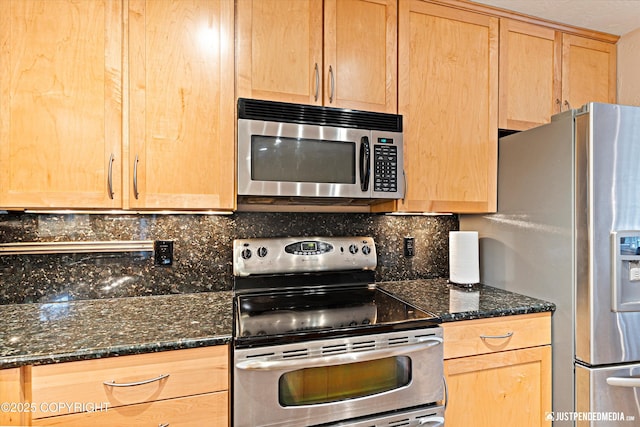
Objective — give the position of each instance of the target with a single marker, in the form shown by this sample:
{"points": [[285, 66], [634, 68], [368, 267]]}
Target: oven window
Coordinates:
{"points": [[302, 160], [325, 384]]}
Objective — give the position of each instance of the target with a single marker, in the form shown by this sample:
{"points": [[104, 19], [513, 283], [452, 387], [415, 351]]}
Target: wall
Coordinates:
{"points": [[628, 68], [202, 250]]}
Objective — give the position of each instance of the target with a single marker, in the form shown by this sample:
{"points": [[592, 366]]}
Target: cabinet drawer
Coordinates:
{"points": [[69, 385], [195, 411], [471, 337]]}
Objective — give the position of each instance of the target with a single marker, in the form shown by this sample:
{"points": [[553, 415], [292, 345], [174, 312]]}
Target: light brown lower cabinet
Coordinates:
{"points": [[194, 411], [12, 395], [498, 371], [187, 387]]}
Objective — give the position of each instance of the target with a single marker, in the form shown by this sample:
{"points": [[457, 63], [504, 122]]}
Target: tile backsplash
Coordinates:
{"points": [[202, 250]]}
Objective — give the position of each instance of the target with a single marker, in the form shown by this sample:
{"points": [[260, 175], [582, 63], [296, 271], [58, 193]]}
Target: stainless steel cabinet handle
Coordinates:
{"points": [[406, 185], [163, 425], [566, 103], [110, 176], [135, 178], [496, 337], [317, 73], [624, 381], [338, 359], [434, 421], [113, 383], [333, 85]]}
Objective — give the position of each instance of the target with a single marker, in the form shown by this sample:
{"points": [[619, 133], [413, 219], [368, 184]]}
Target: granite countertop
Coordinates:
{"points": [[453, 302], [35, 334]]}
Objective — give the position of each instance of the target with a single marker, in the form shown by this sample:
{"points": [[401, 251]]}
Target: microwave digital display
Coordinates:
{"points": [[284, 159]]}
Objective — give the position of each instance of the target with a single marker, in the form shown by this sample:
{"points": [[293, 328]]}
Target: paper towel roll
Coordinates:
{"points": [[464, 261]]}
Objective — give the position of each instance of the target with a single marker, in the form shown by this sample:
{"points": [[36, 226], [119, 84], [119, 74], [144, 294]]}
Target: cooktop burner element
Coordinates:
{"points": [[294, 289]]}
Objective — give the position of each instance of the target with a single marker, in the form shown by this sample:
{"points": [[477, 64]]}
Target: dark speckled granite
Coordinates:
{"points": [[35, 334], [202, 251], [452, 303]]}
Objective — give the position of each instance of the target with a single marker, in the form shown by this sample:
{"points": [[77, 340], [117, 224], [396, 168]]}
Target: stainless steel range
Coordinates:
{"points": [[316, 342]]}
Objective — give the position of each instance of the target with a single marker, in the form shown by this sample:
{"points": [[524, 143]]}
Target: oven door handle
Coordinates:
{"points": [[431, 421], [338, 359]]}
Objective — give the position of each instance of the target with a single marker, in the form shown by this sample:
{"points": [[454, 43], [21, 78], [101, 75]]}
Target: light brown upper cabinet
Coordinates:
{"points": [[99, 104], [544, 71], [287, 52], [448, 95], [530, 64], [588, 71], [181, 122], [60, 104]]}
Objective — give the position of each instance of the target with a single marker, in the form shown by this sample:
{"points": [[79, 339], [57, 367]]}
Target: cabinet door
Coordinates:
{"points": [[279, 50], [509, 388], [529, 74], [360, 46], [12, 391], [60, 104], [181, 115], [448, 94], [588, 71], [211, 409]]}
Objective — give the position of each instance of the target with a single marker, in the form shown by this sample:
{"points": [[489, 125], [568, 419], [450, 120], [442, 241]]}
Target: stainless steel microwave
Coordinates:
{"points": [[291, 150]]}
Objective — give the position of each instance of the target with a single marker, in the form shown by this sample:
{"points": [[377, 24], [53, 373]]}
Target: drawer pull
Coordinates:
{"points": [[163, 425], [113, 383], [497, 337]]}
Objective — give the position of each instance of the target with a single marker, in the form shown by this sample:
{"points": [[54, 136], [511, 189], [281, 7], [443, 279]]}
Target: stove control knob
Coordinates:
{"points": [[262, 252], [246, 253], [353, 249], [366, 249]]}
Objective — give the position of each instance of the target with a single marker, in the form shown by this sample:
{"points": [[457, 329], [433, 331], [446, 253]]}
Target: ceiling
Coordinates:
{"points": [[610, 16]]}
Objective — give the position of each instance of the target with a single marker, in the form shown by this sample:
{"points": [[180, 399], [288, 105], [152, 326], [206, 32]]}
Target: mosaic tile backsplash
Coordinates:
{"points": [[202, 250]]}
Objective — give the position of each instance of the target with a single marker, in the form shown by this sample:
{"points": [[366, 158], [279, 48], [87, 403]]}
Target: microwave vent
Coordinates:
{"points": [[254, 109]]}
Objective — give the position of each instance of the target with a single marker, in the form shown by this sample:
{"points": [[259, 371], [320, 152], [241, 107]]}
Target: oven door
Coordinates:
{"points": [[301, 160], [319, 382]]}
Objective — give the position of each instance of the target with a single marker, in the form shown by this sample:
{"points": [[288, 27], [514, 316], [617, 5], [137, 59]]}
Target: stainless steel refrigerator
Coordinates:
{"points": [[567, 230]]}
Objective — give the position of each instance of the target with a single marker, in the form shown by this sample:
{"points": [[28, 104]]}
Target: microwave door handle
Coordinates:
{"points": [[365, 163]]}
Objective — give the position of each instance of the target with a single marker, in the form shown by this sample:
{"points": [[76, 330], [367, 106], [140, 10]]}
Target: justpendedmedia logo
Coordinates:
{"points": [[588, 416]]}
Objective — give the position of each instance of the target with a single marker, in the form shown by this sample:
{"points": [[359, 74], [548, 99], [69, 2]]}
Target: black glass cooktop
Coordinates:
{"points": [[296, 315]]}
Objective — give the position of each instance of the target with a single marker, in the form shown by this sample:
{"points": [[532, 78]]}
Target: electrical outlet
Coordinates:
{"points": [[163, 252], [409, 247]]}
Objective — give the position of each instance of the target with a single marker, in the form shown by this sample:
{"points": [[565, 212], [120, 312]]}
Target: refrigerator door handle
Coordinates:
{"points": [[624, 381]]}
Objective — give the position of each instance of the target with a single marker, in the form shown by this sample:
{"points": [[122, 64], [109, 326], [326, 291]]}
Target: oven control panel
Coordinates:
{"points": [[302, 254]]}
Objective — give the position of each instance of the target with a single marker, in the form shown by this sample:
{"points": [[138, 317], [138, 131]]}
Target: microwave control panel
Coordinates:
{"points": [[385, 166]]}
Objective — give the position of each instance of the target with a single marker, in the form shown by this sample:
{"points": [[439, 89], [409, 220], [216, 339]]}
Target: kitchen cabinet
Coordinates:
{"points": [[448, 95], [544, 71], [588, 71], [60, 104], [12, 395], [498, 371], [530, 74], [182, 387], [110, 108], [287, 52]]}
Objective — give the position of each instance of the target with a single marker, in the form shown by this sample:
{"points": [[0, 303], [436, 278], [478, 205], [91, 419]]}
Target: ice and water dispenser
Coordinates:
{"points": [[625, 281]]}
